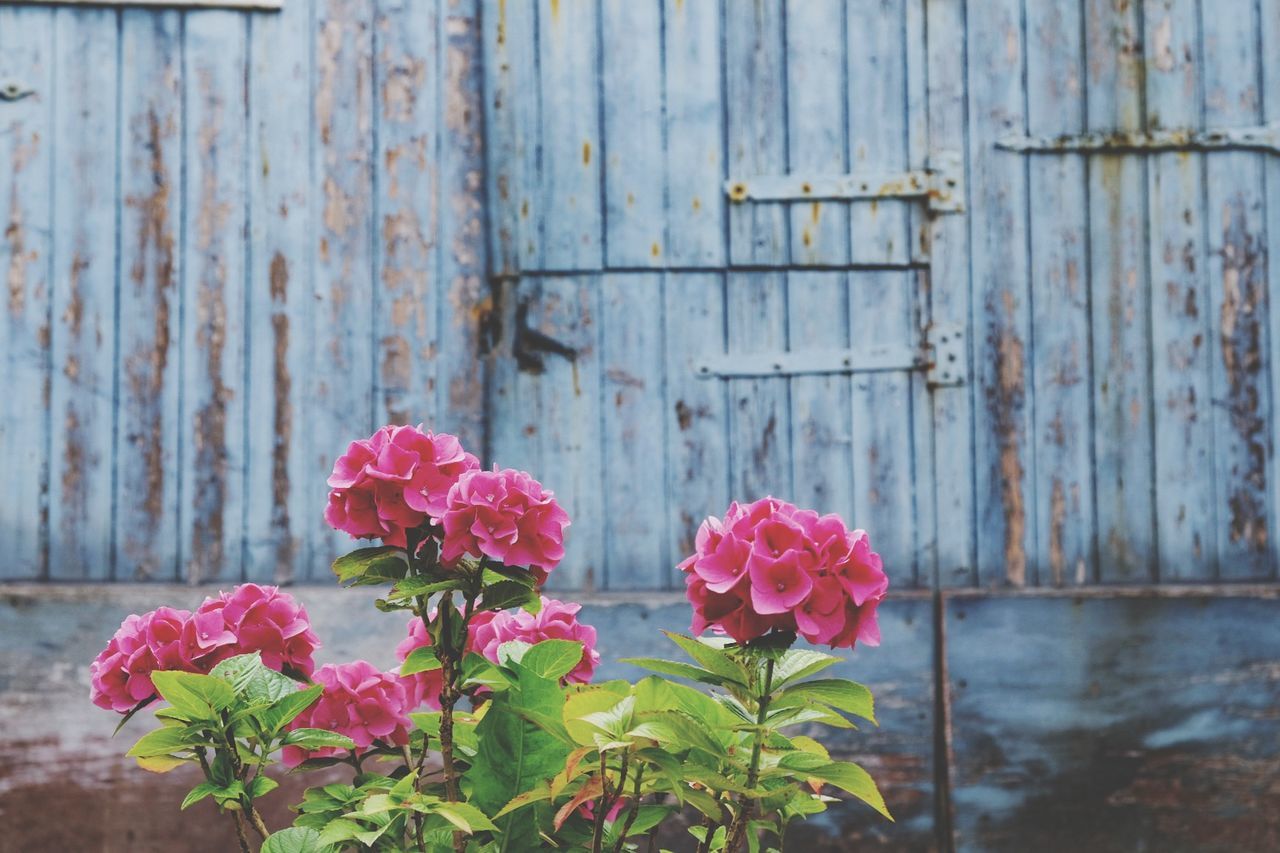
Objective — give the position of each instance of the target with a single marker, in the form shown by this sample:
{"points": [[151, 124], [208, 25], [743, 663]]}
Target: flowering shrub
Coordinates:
{"points": [[490, 735]]}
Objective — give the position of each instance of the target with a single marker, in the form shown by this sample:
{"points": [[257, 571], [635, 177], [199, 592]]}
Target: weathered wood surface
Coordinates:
{"points": [[226, 257], [1114, 723]]}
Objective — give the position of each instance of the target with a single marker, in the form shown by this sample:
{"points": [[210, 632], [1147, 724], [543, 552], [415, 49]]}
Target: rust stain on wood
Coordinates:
{"points": [[1057, 521], [282, 418], [15, 232], [1005, 400]]}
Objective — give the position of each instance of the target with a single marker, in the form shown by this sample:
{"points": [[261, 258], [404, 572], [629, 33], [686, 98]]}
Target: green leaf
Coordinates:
{"points": [[371, 565], [253, 680], [317, 739], [677, 669], [199, 696], [553, 658], [716, 660], [466, 817], [512, 651], [845, 775], [295, 839], [162, 763], [515, 755], [800, 663], [507, 594], [163, 741], [839, 693], [132, 711], [583, 704], [479, 671], [421, 659], [415, 586], [198, 793], [283, 711], [261, 786]]}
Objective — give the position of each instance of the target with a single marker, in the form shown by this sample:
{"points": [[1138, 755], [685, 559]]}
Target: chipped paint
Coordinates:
{"points": [[1005, 401]]}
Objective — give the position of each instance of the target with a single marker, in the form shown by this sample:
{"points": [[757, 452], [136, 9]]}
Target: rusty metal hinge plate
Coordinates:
{"points": [[1265, 137], [946, 361], [941, 186]]}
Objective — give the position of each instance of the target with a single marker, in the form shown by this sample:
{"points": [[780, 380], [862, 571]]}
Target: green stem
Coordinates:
{"points": [[738, 830], [632, 812]]}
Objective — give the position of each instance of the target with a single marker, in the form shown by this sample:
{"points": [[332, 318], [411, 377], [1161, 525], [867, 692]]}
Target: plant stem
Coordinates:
{"points": [[255, 820], [240, 833], [632, 812], [738, 829], [602, 804]]}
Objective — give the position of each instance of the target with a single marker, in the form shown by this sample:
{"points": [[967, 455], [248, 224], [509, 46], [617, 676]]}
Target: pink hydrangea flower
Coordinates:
{"points": [[396, 479], [770, 565], [556, 620], [422, 688], [359, 701], [252, 618], [507, 516], [120, 676]]}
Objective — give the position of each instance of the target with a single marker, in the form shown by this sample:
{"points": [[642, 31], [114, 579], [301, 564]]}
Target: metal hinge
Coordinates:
{"points": [[941, 356], [941, 186], [1264, 137]]}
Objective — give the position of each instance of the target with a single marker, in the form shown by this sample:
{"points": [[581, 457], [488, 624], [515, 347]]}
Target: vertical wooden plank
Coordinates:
{"points": [[1238, 273], [508, 78], [1005, 486], [567, 310], [407, 211], [84, 306], [570, 203], [26, 54], [755, 106], [694, 134], [147, 442], [342, 372], [881, 312], [514, 407], [1269, 36], [878, 120], [760, 420], [634, 173], [1060, 323], [948, 301], [817, 127], [213, 273], [697, 412], [1186, 512], [283, 487], [824, 470], [635, 475], [1121, 302], [467, 300]]}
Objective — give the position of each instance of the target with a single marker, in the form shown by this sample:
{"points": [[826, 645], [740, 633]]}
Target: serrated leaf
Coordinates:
{"points": [[583, 704], [200, 696], [253, 680], [310, 739], [553, 659], [845, 775], [839, 693], [162, 763], [163, 741], [507, 594], [371, 565], [592, 789], [421, 659], [677, 669], [198, 793], [800, 663], [466, 817], [416, 586], [261, 786], [295, 839], [716, 660], [478, 671], [129, 715], [283, 711]]}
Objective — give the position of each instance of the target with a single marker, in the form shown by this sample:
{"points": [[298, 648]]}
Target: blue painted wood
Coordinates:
{"points": [[211, 522], [1004, 479], [1269, 34], [1121, 303], [1236, 242], [281, 480], [633, 423], [27, 54], [148, 432], [570, 202], [634, 188], [1182, 355], [695, 133], [83, 295], [1060, 355]]}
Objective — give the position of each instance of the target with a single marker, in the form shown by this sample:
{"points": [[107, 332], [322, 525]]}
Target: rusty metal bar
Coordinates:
{"points": [[1264, 137], [941, 185]]}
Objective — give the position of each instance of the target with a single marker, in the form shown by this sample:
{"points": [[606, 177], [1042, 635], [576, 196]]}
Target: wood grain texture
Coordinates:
{"points": [[26, 136], [1108, 726], [83, 293]]}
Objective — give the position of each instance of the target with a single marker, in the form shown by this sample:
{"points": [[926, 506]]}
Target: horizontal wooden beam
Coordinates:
{"points": [[249, 5]]}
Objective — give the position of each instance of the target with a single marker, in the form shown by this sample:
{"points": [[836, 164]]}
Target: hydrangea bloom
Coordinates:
{"points": [[507, 516], [769, 565], [121, 674], [393, 481], [252, 618], [555, 621], [421, 688], [359, 701]]}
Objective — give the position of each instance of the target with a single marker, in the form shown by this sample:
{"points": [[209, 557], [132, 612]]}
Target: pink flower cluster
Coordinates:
{"points": [[402, 477], [507, 516], [769, 566], [250, 618], [489, 629], [359, 701], [394, 481]]}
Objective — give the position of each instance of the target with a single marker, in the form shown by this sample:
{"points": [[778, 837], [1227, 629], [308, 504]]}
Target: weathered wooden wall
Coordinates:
{"points": [[233, 241]]}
